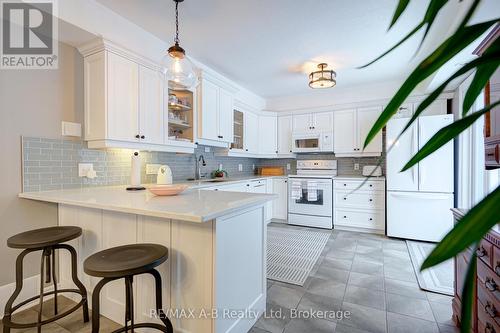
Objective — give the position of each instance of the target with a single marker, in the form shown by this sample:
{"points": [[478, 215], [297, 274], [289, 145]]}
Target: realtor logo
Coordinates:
{"points": [[29, 34]]}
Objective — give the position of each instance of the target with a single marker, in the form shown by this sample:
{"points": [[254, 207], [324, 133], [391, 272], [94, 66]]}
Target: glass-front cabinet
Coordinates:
{"points": [[180, 114], [238, 130]]}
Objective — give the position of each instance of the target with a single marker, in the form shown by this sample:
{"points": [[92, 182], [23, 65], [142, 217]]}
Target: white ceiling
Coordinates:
{"points": [[269, 46]]}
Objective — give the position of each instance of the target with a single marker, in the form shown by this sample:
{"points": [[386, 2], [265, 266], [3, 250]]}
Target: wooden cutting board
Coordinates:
{"points": [[272, 171]]}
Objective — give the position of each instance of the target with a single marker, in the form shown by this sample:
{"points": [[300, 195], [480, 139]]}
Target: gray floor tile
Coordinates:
{"points": [[341, 328], [396, 254], [285, 297], [344, 264], [365, 318], [397, 323], [327, 288], [395, 245], [400, 272], [375, 258], [328, 271], [443, 312], [274, 320], [313, 302], [366, 297], [405, 288], [448, 328], [413, 307], [340, 254], [344, 245], [299, 325], [366, 267], [366, 281], [438, 298], [269, 283], [371, 243], [257, 330]]}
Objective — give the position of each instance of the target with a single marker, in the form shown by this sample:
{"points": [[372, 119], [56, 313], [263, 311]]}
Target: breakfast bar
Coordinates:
{"points": [[215, 277]]}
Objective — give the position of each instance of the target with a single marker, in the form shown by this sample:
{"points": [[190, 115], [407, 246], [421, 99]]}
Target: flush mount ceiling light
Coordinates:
{"points": [[323, 78], [177, 68]]}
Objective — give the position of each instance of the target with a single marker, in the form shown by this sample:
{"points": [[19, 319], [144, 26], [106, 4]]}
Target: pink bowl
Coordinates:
{"points": [[167, 189]]}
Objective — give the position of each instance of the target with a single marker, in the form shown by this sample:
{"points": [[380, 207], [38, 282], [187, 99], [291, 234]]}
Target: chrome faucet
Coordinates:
{"points": [[198, 174]]}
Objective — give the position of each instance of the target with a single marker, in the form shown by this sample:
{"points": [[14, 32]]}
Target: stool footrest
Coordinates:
{"points": [[143, 325]]}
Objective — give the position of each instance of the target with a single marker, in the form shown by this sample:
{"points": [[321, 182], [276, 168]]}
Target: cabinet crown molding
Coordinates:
{"points": [[204, 75]]}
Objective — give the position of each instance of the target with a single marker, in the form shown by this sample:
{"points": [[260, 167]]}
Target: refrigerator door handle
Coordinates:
{"points": [[420, 195]]}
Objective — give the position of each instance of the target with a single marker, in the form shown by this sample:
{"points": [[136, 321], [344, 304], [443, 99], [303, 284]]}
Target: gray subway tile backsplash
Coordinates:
{"points": [[52, 164]]}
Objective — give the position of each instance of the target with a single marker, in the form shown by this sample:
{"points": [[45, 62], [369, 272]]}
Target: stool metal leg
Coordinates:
{"points": [[19, 287], [76, 281], [159, 306], [95, 304], [40, 303], [129, 304], [54, 279]]}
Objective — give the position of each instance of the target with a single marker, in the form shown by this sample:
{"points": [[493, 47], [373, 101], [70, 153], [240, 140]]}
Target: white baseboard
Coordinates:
{"points": [[31, 287]]}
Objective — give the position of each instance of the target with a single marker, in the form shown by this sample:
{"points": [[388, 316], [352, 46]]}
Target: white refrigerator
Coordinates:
{"points": [[419, 199]]}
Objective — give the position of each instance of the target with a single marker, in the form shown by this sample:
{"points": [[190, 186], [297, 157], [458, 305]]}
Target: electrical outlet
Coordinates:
{"points": [[240, 167], [152, 169], [356, 166], [207, 149], [220, 166], [288, 167], [84, 168]]}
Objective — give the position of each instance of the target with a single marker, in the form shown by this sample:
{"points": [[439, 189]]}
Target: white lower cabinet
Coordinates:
{"points": [[359, 205], [280, 204]]}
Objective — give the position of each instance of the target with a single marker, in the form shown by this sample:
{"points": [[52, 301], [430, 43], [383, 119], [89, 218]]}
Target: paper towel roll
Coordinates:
{"points": [[135, 172]]}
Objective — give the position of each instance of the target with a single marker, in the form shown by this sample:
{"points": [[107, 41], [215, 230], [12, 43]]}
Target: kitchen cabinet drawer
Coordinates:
{"points": [[486, 323], [485, 252], [359, 219], [370, 185], [358, 199]]}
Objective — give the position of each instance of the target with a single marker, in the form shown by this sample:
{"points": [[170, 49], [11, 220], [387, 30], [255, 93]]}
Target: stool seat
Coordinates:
{"points": [[125, 260], [44, 237]]}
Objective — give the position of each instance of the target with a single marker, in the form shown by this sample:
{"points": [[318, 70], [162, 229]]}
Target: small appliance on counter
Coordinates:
{"points": [[164, 176], [135, 173]]}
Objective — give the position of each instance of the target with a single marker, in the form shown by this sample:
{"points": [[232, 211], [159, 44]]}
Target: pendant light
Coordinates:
{"points": [[177, 68], [323, 78]]}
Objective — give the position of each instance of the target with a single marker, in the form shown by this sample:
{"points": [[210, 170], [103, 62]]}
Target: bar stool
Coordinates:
{"points": [[47, 240], [123, 262]]}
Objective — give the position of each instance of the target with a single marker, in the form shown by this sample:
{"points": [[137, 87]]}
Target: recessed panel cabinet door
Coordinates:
{"points": [[302, 123], [123, 96], [150, 106], [344, 132], [267, 135], [225, 116], [323, 121], [366, 119], [209, 110], [285, 135], [251, 132]]}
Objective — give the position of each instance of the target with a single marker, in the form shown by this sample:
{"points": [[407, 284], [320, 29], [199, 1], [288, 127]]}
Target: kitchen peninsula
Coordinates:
{"points": [[216, 243]]}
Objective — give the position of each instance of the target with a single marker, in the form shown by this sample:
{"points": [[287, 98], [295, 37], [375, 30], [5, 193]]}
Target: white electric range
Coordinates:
{"points": [[310, 194]]}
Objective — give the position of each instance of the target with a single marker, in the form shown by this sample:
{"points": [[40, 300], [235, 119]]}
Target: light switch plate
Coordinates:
{"points": [[288, 167], [71, 129], [240, 167], [356, 166], [207, 149], [152, 169]]}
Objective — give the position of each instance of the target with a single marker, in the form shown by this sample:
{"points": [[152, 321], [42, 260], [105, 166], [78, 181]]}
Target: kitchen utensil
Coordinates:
{"points": [[164, 176]]}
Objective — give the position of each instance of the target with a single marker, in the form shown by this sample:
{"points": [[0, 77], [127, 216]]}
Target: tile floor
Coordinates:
{"points": [[368, 275]]}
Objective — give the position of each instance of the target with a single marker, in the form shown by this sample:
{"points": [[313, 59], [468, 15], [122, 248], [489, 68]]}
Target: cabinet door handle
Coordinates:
{"points": [[371, 218], [246, 149], [345, 216], [248, 184], [137, 136], [371, 185], [143, 137], [371, 200], [345, 198], [489, 328], [345, 184], [490, 284], [481, 252], [490, 310], [497, 268]]}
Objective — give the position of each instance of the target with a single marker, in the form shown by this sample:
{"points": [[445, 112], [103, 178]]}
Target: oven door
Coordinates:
{"points": [[318, 205], [306, 142]]}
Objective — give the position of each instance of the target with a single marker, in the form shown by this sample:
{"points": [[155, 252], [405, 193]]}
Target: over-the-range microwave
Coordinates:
{"points": [[312, 142]]}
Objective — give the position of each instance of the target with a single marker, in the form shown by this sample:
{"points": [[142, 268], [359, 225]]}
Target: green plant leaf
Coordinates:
{"points": [[430, 15], [470, 229], [402, 4], [445, 135], [447, 50], [468, 295], [481, 77], [487, 58]]}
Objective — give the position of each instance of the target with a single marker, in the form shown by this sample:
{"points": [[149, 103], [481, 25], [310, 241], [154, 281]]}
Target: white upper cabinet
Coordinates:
{"points": [[124, 101], [350, 130], [322, 121], [151, 116], [344, 132], [123, 96], [209, 107], [215, 112], [285, 135], [251, 142], [366, 119], [302, 122], [268, 135]]}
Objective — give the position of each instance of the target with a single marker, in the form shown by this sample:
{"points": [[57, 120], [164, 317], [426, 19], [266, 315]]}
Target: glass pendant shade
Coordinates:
{"points": [[323, 78], [178, 71]]}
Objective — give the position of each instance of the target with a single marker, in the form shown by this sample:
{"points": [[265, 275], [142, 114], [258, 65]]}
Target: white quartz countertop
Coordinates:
{"points": [[359, 177], [192, 205], [231, 180]]}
